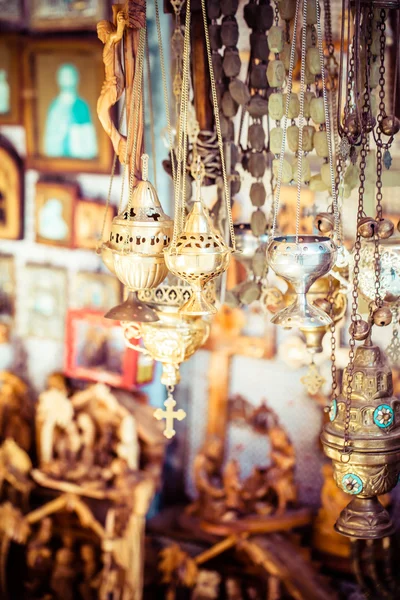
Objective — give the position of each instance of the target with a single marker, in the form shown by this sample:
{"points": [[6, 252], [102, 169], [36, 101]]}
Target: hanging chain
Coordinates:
{"points": [[354, 293], [134, 122], [328, 127], [114, 166], [165, 89], [151, 113], [218, 127], [182, 134], [285, 119], [301, 117], [356, 273], [333, 341]]}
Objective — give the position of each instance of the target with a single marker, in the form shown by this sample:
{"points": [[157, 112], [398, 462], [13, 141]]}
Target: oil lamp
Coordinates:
{"points": [[301, 259], [371, 467], [301, 262]]}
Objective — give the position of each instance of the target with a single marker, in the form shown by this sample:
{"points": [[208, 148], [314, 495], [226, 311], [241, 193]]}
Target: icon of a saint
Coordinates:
{"points": [[69, 132], [51, 222]]}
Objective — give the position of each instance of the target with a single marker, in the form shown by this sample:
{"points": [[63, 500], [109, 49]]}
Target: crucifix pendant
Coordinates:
{"points": [[169, 414]]}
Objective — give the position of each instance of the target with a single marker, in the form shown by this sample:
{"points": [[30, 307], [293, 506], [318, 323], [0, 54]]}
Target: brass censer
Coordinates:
{"points": [[372, 466], [198, 256], [134, 251]]}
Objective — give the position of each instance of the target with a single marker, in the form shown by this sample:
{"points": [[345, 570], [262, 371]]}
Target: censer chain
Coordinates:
{"points": [[182, 134], [218, 127], [327, 126], [165, 89], [301, 117], [354, 306], [276, 201], [151, 112], [110, 186]]}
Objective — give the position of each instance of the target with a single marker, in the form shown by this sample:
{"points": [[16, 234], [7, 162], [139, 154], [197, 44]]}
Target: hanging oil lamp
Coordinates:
{"points": [[134, 251], [301, 259], [372, 467]]}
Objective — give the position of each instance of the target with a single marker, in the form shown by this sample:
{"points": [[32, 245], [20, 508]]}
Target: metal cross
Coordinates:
{"points": [[169, 414]]}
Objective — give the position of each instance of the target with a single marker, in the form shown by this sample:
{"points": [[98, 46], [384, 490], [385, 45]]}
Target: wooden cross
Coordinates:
{"points": [[169, 414], [224, 343]]}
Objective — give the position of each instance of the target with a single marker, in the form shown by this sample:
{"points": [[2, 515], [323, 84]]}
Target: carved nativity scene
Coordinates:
{"points": [[199, 299]]}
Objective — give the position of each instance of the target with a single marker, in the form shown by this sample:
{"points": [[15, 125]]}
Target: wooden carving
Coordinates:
{"points": [[222, 494], [119, 75]]}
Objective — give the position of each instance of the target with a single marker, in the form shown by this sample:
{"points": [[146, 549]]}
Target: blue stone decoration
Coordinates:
{"points": [[383, 416], [333, 410], [352, 484]]}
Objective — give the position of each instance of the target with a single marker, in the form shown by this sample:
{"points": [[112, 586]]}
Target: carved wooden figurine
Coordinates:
{"points": [[114, 83]]}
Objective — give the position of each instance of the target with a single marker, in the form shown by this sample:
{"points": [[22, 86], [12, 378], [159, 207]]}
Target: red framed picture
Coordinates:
{"points": [[96, 351]]}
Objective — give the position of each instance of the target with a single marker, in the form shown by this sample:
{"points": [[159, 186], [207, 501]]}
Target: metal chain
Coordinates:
{"points": [[218, 127], [151, 113], [328, 127], [182, 133], [301, 117], [137, 93], [114, 166], [382, 106], [131, 129], [285, 119], [354, 305], [333, 341], [165, 89]]}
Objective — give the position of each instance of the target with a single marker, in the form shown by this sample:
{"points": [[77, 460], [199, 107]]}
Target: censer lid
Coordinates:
{"points": [[374, 413], [199, 233], [145, 206]]}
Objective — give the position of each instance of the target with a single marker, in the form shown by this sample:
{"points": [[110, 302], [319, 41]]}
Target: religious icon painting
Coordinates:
{"points": [[96, 351], [45, 302], [58, 15], [11, 192], [10, 80], [63, 131], [88, 223], [99, 291], [7, 285], [54, 213]]}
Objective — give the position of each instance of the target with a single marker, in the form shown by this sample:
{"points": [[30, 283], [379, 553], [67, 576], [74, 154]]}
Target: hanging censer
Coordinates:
{"points": [[363, 436], [134, 251], [140, 232], [198, 252], [372, 467], [301, 259]]}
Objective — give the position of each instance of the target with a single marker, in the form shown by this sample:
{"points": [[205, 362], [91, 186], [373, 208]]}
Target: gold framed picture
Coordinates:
{"points": [[11, 191], [13, 14], [10, 80], [63, 132], [58, 15], [88, 223], [45, 302], [99, 291], [54, 213]]}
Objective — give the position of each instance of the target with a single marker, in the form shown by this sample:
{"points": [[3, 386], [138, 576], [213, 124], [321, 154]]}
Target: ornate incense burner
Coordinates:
{"points": [[171, 340], [372, 465], [138, 237]]}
